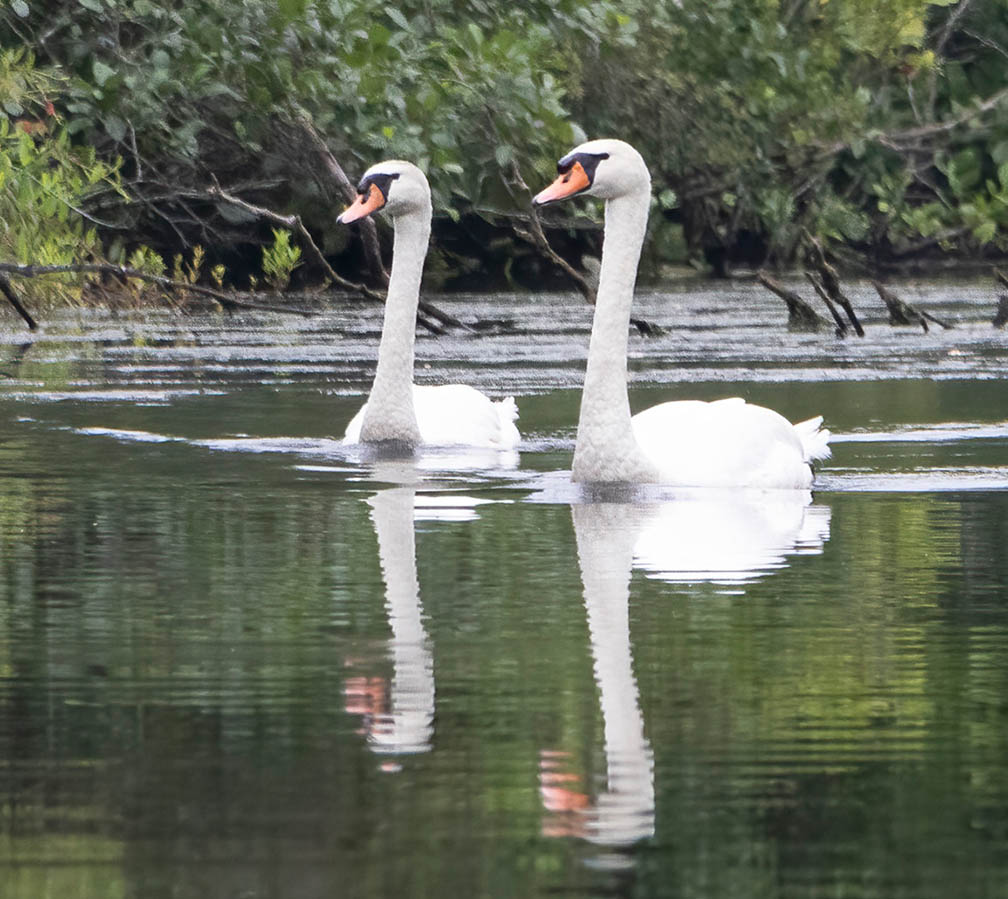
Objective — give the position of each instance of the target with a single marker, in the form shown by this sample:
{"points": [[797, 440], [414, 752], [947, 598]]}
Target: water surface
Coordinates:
{"points": [[239, 660]]}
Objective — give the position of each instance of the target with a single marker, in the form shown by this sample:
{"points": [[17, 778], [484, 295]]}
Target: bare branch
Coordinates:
{"points": [[841, 325], [831, 281], [987, 42], [537, 238], [914, 138], [955, 14], [1001, 316], [900, 313], [801, 316], [294, 223], [123, 271], [368, 229], [8, 291]]}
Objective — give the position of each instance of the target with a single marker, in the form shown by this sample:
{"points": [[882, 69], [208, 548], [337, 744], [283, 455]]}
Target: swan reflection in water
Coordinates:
{"points": [[398, 713], [700, 537]]}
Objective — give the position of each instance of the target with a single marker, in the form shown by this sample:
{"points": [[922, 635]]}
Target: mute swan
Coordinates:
{"points": [[397, 410], [726, 443]]}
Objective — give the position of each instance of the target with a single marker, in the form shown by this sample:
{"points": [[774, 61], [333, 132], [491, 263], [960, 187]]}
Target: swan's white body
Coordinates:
{"points": [[727, 443], [397, 410], [455, 415]]}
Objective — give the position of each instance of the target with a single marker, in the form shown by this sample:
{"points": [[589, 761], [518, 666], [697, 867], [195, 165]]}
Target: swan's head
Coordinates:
{"points": [[599, 168], [396, 186]]}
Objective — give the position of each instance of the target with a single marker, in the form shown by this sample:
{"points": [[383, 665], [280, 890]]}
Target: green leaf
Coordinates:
{"points": [[26, 150], [115, 127], [396, 16], [93, 5], [668, 199], [291, 9], [102, 72], [999, 152], [20, 8]]}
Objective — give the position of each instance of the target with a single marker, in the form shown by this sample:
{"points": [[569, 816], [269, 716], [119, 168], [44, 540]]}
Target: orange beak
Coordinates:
{"points": [[573, 181], [367, 203]]}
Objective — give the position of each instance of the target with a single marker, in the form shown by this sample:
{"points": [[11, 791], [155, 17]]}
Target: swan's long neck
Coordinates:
{"points": [[606, 450], [390, 414]]}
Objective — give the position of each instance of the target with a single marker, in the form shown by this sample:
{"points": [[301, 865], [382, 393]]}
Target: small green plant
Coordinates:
{"points": [[145, 260], [280, 260], [188, 272]]}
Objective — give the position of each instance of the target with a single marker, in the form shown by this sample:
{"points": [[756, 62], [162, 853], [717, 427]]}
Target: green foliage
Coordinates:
{"points": [[465, 91], [775, 117], [280, 259], [756, 116], [145, 260], [22, 86], [43, 182]]}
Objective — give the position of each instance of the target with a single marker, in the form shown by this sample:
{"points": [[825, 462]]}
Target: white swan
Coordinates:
{"points": [[726, 443], [397, 410]]}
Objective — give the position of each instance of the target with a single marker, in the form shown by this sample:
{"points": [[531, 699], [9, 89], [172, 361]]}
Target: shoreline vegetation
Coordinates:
{"points": [[193, 156]]}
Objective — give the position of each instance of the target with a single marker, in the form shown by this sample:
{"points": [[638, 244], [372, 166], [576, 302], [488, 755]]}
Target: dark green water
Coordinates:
{"points": [[237, 661]]}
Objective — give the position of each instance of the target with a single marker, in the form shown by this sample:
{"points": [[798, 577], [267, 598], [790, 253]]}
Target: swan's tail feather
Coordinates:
{"points": [[507, 414], [814, 438], [508, 409]]}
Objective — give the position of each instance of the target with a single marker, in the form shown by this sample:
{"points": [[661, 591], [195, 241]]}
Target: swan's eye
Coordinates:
{"points": [[381, 180]]}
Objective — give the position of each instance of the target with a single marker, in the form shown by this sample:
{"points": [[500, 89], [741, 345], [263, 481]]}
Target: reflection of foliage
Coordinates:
{"points": [[221, 610]]}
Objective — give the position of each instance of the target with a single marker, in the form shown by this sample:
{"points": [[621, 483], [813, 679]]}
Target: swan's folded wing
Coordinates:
{"points": [[727, 443], [459, 415]]}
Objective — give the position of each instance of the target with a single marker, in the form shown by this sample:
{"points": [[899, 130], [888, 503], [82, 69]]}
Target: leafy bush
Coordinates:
{"points": [[871, 122], [44, 181]]}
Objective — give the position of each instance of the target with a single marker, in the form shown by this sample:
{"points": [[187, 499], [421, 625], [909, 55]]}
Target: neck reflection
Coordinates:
{"points": [[623, 812], [726, 539], [398, 714]]}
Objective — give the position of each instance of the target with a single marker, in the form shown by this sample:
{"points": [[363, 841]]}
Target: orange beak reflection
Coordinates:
{"points": [[573, 181], [364, 205]]}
